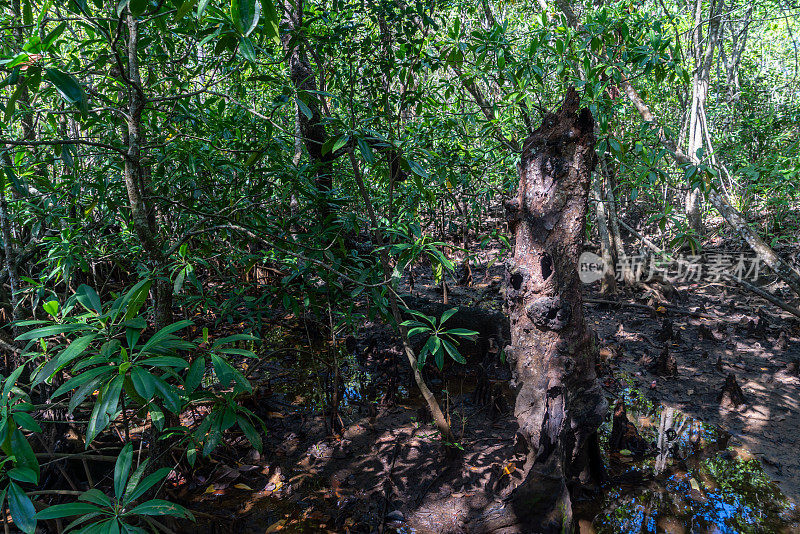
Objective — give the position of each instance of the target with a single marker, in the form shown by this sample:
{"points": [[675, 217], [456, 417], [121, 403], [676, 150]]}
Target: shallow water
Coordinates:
{"points": [[693, 479]]}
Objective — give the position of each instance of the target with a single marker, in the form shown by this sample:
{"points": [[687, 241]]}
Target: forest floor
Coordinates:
{"points": [[386, 471]]}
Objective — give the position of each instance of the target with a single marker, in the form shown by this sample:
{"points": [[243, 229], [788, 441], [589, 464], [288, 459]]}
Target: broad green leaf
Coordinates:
{"points": [[201, 8], [69, 88], [122, 469], [366, 151], [143, 382], [52, 330], [250, 432], [245, 14], [133, 493], [160, 507], [89, 299], [447, 314], [25, 421], [95, 496], [51, 307], [81, 379], [453, 352], [23, 474], [195, 375], [271, 21], [21, 507], [133, 300], [75, 349], [66, 510], [164, 333]]}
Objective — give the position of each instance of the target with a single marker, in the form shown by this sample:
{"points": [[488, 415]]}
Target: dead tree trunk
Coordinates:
{"points": [[559, 402]]}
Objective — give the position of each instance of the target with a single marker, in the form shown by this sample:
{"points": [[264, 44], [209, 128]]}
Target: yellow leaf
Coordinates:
{"points": [[276, 526], [661, 309], [510, 468], [210, 489], [243, 487], [695, 485]]}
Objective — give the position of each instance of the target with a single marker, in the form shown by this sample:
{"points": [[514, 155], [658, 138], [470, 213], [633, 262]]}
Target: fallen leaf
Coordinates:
{"points": [[510, 468], [276, 526], [243, 487]]}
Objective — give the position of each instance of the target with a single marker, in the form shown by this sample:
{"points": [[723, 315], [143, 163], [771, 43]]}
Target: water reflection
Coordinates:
{"points": [[688, 480]]}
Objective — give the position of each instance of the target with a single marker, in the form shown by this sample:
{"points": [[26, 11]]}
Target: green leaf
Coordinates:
{"points": [[462, 332], [169, 394], [246, 49], [166, 361], [51, 307], [95, 496], [201, 8], [159, 507], [52, 330], [25, 421], [135, 298], [23, 474], [250, 432], [105, 406], [164, 333], [134, 480], [143, 382], [75, 349], [417, 169], [89, 299], [366, 151], [69, 88], [10, 382], [184, 9], [195, 375], [447, 314], [53, 35], [453, 352], [66, 510], [82, 379], [271, 21], [133, 493], [122, 469], [304, 109], [245, 14], [22, 511]]}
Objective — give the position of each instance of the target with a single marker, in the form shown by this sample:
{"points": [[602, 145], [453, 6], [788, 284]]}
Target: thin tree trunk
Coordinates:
{"points": [[613, 216], [608, 284], [704, 56], [144, 223], [312, 129], [559, 404], [433, 405], [764, 252]]}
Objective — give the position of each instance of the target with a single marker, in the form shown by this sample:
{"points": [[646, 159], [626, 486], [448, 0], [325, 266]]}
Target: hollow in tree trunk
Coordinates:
{"points": [[559, 402]]}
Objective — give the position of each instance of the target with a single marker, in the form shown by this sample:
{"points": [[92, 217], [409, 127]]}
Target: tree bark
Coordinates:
{"points": [[704, 56], [608, 284], [144, 223], [559, 403], [312, 129]]}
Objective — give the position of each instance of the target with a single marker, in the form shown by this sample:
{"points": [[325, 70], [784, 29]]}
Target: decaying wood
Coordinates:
{"points": [[559, 402], [732, 395]]}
